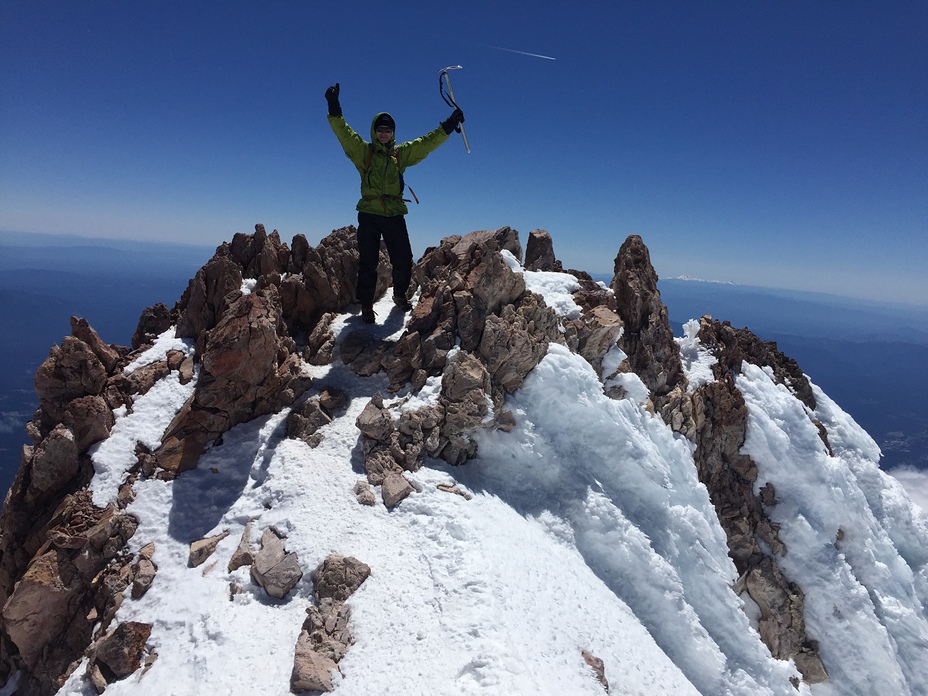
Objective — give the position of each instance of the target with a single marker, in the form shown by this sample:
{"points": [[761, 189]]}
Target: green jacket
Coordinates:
{"points": [[382, 182]]}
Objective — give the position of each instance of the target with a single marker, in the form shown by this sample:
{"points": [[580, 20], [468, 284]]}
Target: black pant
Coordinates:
{"points": [[393, 230]]}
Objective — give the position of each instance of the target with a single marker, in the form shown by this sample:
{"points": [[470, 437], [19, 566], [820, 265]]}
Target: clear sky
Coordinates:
{"points": [[771, 143]]}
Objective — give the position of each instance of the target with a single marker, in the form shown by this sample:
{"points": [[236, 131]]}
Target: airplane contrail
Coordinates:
{"points": [[512, 50]]}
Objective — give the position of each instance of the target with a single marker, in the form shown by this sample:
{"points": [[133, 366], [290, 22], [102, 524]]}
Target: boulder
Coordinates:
{"points": [[375, 421], [139, 381], [364, 494], [312, 671], [275, 569], [465, 387], [325, 635], [90, 420], [539, 253], [303, 422], [39, 609], [395, 489], [144, 577], [122, 649], [320, 345], [210, 292], [599, 332], [54, 462], [244, 553], [248, 369], [339, 577], [201, 549]]}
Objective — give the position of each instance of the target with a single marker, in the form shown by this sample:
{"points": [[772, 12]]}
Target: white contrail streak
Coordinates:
{"points": [[512, 50]]}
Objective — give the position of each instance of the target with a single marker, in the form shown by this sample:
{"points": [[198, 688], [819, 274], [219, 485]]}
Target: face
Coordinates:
{"points": [[384, 133]]}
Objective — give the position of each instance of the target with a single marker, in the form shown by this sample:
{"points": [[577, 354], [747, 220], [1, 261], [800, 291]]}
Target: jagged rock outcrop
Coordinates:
{"points": [[249, 367], [647, 338], [260, 309], [155, 320], [539, 253], [76, 575], [714, 416], [719, 414], [61, 557], [469, 297]]}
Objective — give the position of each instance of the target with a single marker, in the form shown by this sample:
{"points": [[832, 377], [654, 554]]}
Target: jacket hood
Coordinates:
{"points": [[384, 116]]}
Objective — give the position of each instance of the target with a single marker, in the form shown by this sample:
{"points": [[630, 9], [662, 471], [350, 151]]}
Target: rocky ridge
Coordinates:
{"points": [[256, 313]]}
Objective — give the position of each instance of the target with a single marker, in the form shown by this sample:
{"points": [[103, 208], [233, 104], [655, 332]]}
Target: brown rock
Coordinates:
{"points": [[339, 577], [122, 649], [333, 399], [516, 340], [155, 320], [38, 610], [82, 330], [54, 462], [599, 333], [364, 494], [311, 670], [90, 419], [395, 489], [208, 295], [304, 422], [275, 569], [244, 553], [539, 253], [465, 386], [375, 421], [144, 578], [647, 339], [70, 371], [320, 346], [598, 667], [202, 549]]}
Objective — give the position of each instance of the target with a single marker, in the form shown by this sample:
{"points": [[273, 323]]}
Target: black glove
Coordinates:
{"points": [[331, 96], [453, 121]]}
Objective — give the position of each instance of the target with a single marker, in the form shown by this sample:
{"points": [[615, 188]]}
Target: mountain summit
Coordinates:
{"points": [[524, 485]]}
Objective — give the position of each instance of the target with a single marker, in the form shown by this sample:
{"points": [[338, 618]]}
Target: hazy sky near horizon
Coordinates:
{"points": [[782, 144]]}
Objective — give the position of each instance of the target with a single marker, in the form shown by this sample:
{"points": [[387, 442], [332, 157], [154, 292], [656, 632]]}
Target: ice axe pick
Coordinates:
{"points": [[444, 83]]}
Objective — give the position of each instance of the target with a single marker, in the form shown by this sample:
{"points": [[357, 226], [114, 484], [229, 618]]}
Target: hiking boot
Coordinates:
{"points": [[367, 313], [401, 302]]}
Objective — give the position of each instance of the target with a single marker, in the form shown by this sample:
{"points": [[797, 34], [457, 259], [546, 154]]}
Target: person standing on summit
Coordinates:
{"points": [[381, 210]]}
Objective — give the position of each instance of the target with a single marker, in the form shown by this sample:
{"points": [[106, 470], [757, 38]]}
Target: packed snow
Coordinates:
{"points": [[587, 529]]}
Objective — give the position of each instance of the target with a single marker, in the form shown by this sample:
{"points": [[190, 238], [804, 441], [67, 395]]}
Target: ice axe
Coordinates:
{"points": [[444, 83]]}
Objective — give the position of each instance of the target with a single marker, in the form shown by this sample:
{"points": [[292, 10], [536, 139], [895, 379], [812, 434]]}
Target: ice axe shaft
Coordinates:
{"points": [[453, 103]]}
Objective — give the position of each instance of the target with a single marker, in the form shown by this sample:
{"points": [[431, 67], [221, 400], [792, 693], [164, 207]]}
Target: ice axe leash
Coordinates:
{"points": [[444, 88]]}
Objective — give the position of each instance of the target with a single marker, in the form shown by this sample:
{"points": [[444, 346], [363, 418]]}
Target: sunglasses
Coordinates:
{"points": [[384, 129]]}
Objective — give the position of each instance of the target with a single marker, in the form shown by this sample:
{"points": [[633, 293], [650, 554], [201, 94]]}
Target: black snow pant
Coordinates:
{"points": [[393, 230]]}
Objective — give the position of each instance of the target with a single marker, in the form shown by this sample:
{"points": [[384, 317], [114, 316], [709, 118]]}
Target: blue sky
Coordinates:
{"points": [[782, 144]]}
